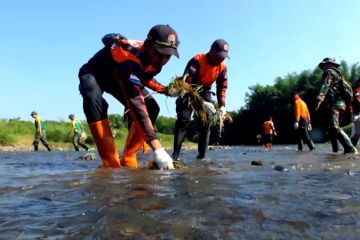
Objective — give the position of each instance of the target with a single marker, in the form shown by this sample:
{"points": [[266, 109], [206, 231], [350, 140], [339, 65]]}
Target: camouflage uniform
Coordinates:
{"points": [[332, 99]]}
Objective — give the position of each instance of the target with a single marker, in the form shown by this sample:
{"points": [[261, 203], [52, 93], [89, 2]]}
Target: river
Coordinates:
{"points": [[292, 195]]}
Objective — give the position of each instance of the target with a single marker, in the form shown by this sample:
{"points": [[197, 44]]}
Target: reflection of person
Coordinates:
{"points": [[302, 124], [40, 132], [78, 131], [269, 132], [123, 68], [333, 100], [203, 70], [355, 118]]}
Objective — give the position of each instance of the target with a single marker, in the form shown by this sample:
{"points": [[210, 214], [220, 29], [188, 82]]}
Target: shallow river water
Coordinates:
{"points": [[293, 195]]}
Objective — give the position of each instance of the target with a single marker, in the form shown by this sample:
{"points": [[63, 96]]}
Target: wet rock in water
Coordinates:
{"points": [[350, 173], [150, 205], [257, 162], [88, 157], [45, 199], [153, 166], [281, 168], [199, 235]]}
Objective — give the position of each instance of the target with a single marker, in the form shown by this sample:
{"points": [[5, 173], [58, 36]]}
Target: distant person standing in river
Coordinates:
{"points": [[268, 133], [355, 117], [40, 132], [78, 133], [302, 124], [334, 100]]}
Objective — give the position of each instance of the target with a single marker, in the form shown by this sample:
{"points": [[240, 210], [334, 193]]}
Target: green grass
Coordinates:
{"points": [[20, 134]]}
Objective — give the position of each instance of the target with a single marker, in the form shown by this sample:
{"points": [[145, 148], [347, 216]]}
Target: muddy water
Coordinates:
{"points": [[55, 195]]}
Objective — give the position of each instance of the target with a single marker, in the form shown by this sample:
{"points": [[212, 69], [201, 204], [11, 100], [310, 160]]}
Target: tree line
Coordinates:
{"points": [[260, 102], [276, 101]]}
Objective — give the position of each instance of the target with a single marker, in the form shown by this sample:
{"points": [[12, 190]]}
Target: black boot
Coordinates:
{"points": [[300, 145], [36, 146], [178, 139], [354, 141], [345, 142], [48, 147], [84, 146], [203, 142], [334, 143], [311, 145]]}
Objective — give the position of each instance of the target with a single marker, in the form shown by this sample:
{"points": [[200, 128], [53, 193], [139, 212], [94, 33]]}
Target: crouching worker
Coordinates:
{"points": [[78, 131], [123, 68]]}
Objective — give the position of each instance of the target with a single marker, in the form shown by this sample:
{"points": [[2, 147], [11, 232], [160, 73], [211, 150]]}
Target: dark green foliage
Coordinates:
{"points": [[165, 125], [275, 101], [116, 121]]}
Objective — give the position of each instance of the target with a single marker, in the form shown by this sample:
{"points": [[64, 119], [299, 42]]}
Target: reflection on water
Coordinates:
{"points": [[54, 195]]}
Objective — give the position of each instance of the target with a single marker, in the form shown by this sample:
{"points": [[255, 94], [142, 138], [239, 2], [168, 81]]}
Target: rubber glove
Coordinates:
{"points": [[163, 159], [209, 108], [309, 127], [222, 112], [355, 117], [296, 125]]}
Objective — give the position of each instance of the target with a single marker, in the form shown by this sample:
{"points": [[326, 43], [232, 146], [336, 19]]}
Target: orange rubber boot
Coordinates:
{"points": [[105, 144], [134, 142], [145, 148]]}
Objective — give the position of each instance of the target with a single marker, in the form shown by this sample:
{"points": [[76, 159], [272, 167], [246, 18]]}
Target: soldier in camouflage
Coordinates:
{"points": [[332, 98]]}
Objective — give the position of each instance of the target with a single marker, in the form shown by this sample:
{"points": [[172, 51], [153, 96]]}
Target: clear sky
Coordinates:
{"points": [[44, 43]]}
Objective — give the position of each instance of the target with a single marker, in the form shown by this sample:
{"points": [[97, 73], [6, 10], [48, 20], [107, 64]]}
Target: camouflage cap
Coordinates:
{"points": [[328, 60]]}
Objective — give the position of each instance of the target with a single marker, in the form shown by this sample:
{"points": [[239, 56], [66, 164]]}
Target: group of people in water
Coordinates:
{"points": [[124, 68], [336, 98], [77, 133]]}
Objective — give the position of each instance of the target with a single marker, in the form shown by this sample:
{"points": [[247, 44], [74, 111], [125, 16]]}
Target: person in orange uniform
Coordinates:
{"points": [[40, 132], [203, 70], [269, 133], [302, 124], [123, 68]]}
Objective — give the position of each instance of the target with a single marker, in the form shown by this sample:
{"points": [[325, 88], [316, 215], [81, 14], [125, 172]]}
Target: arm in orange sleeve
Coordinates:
{"points": [[153, 85], [308, 115], [297, 111]]}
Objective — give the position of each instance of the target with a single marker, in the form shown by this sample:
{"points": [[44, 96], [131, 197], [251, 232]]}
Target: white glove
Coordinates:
{"points": [[309, 127], [355, 117], [222, 112], [296, 125], [209, 108], [163, 159]]}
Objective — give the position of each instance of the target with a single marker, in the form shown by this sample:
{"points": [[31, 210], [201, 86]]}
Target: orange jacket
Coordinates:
{"points": [[130, 50], [268, 127], [202, 73], [301, 110]]}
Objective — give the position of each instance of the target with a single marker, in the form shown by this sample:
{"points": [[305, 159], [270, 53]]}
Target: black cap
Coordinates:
{"points": [[165, 39], [221, 47], [71, 116], [33, 113]]}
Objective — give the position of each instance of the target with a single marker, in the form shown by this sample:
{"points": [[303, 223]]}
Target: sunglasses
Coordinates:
{"points": [[166, 44]]}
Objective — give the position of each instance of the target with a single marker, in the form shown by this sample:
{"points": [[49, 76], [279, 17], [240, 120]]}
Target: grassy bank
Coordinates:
{"points": [[20, 135]]}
